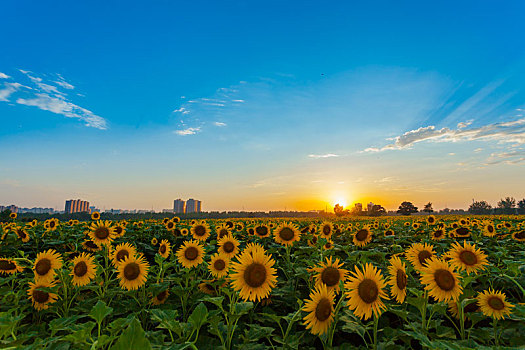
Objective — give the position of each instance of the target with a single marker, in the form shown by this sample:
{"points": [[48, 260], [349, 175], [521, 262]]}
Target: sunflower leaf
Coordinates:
{"points": [[100, 311], [132, 338]]}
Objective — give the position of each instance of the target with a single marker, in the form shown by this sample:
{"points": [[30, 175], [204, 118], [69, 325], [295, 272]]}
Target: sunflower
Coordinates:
{"points": [[461, 232], [95, 215], [219, 265], [39, 298], [9, 267], [262, 230], [190, 254], [253, 275], [133, 272], [160, 298], [398, 279], [209, 287], [441, 281], [469, 308], [330, 274], [51, 224], [365, 289], [389, 232], [418, 254], [32, 223], [170, 225], [251, 231], [467, 257], [13, 215], [222, 230], [313, 242], [91, 246], [431, 220], [184, 231], [101, 232], [519, 236], [200, 230], [84, 269], [362, 237], [489, 230], [22, 234], [286, 234], [328, 245], [438, 234], [120, 252], [164, 248], [119, 230], [175, 219], [228, 246], [326, 229], [154, 241], [45, 265], [492, 303], [320, 308]]}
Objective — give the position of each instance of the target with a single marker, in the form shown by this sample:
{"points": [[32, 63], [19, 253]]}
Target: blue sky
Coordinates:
{"points": [[261, 105]]}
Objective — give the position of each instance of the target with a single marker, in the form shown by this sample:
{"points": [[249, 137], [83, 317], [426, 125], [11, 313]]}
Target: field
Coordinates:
{"points": [[438, 282]]}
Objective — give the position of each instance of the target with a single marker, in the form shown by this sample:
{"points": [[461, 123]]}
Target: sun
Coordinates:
{"points": [[341, 201]]}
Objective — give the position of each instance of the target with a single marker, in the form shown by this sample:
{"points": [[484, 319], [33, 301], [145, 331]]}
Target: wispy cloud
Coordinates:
{"points": [[327, 155], [219, 124], [504, 132], [188, 131], [512, 157], [4, 76], [46, 95]]}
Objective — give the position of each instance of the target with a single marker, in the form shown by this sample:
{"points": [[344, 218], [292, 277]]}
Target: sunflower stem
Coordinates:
{"points": [[424, 312], [461, 319], [376, 322]]}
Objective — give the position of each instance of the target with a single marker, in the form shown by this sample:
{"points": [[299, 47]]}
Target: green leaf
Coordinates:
{"points": [[81, 334], [100, 311], [132, 338], [243, 308], [198, 316]]}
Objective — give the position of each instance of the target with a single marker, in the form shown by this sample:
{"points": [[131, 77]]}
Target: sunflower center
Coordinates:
{"points": [[401, 279], [430, 219], [91, 244], [191, 253], [43, 266], [323, 309], [326, 230], [219, 265], [228, 247], [170, 225], [389, 233], [122, 254], [261, 230], [444, 279], [328, 245], [468, 258], [462, 231], [200, 230], [255, 275], [496, 303], [330, 276], [490, 228], [163, 249], [102, 232], [361, 235], [118, 230], [21, 234], [132, 271], [423, 256], [438, 233], [6, 265], [368, 290], [40, 296], [314, 239], [520, 235], [80, 269], [286, 234]]}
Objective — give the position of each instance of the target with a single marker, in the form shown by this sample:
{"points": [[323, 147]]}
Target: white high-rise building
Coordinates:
{"points": [[179, 206]]}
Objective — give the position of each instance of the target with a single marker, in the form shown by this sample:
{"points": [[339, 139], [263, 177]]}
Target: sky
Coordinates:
{"points": [[261, 105]]}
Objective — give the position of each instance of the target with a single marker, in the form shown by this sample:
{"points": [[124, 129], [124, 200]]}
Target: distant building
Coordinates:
{"points": [[76, 206], [359, 207], [13, 208], [191, 206], [199, 206], [179, 206], [36, 210], [369, 206]]}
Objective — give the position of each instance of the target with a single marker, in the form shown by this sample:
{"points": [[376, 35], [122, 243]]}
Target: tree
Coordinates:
{"points": [[521, 206], [338, 210], [507, 205], [480, 207], [4, 216], [377, 210], [407, 208], [428, 208]]}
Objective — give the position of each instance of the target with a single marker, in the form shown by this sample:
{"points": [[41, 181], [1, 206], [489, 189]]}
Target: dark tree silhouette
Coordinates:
{"points": [[507, 205], [428, 208], [407, 208], [339, 211], [377, 210], [480, 207], [521, 206]]}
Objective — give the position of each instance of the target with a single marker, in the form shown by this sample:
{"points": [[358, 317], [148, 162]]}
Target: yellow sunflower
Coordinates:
{"points": [[190, 254], [389, 232], [45, 265], [398, 279], [262, 230], [39, 298], [519, 236], [119, 230], [253, 275], [154, 241], [133, 272], [164, 248], [286, 234], [222, 230], [438, 234], [489, 230], [95, 215], [160, 298], [22, 234], [362, 237], [469, 308], [91, 246], [13, 215], [101, 232], [313, 241], [330, 274], [431, 220], [326, 230], [51, 224], [467, 257], [364, 291], [84, 269], [492, 303], [461, 232], [9, 267], [441, 281], [170, 225], [219, 265], [228, 246], [200, 230], [419, 254], [320, 308]]}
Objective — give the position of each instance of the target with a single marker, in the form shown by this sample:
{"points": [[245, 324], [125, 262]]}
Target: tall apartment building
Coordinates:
{"points": [[359, 207], [179, 206], [76, 206], [193, 206], [369, 206]]}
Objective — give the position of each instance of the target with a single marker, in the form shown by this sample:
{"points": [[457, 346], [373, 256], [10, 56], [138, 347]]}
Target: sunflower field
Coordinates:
{"points": [[423, 282]]}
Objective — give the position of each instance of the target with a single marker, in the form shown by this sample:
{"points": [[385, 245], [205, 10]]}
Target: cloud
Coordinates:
{"points": [[512, 157], [504, 132], [48, 97], [181, 110], [464, 124], [328, 155], [219, 124], [4, 76], [188, 131]]}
